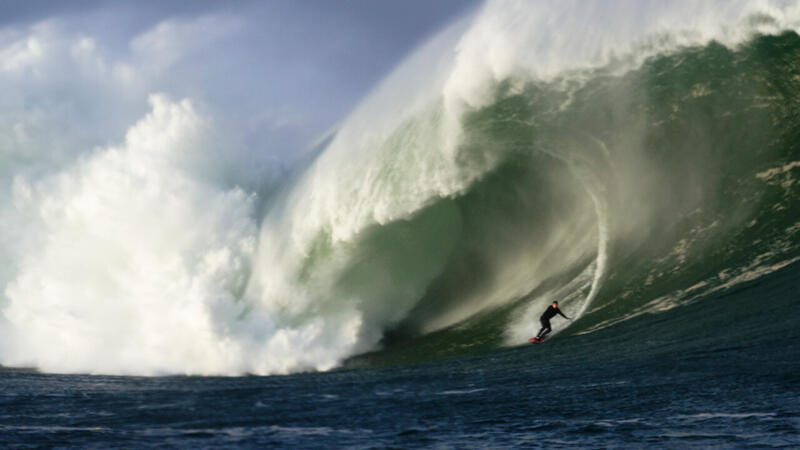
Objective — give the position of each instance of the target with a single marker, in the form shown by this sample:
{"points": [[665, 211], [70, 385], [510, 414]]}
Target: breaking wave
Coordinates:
{"points": [[623, 159]]}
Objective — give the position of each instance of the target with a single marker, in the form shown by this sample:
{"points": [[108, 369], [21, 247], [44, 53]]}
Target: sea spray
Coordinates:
{"points": [[134, 260]]}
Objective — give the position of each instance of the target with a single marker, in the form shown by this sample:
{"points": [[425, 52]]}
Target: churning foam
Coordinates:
{"points": [[134, 259]]}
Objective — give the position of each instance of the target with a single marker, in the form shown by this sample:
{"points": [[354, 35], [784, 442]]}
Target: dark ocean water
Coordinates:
{"points": [[720, 372]]}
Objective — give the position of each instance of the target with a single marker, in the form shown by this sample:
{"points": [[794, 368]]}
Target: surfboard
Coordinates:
{"points": [[534, 340]]}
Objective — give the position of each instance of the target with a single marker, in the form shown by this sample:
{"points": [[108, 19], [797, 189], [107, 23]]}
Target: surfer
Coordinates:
{"points": [[548, 314]]}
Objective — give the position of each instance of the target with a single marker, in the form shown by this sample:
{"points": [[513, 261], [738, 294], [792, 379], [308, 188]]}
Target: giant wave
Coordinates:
{"points": [[623, 159]]}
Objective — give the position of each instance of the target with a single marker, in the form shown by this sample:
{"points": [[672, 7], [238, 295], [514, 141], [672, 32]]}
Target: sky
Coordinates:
{"points": [[278, 74]]}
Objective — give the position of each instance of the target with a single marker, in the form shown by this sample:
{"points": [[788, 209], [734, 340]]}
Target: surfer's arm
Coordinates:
{"points": [[562, 315]]}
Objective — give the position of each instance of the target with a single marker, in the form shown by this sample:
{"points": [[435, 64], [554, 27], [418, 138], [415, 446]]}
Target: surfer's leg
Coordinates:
{"points": [[545, 328]]}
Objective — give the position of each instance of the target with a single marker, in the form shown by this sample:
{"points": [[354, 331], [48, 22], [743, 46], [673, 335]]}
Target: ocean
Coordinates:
{"points": [[381, 295], [721, 372]]}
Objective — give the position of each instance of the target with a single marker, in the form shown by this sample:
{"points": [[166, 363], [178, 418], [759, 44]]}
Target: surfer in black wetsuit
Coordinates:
{"points": [[548, 314]]}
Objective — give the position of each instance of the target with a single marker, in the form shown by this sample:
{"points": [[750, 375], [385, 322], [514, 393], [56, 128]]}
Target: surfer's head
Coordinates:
{"points": [[555, 303]]}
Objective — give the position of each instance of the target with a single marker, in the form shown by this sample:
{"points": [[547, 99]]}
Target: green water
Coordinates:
{"points": [[691, 157]]}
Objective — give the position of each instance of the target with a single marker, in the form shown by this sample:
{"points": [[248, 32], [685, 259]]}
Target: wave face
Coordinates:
{"points": [[623, 159]]}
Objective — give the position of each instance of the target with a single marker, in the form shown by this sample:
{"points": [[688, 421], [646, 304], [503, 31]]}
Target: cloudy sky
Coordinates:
{"points": [[277, 74]]}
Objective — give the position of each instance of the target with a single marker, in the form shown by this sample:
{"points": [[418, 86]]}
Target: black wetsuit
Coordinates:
{"points": [[548, 314]]}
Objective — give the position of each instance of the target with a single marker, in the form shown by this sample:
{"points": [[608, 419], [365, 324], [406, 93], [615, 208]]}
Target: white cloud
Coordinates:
{"points": [[86, 53], [172, 40], [22, 55]]}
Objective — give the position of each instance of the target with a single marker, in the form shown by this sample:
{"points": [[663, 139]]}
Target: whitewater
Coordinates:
{"points": [[624, 158]]}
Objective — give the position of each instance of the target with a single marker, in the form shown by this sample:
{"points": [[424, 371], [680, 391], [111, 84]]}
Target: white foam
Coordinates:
{"points": [[462, 391], [719, 415], [546, 40], [770, 174], [134, 258]]}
